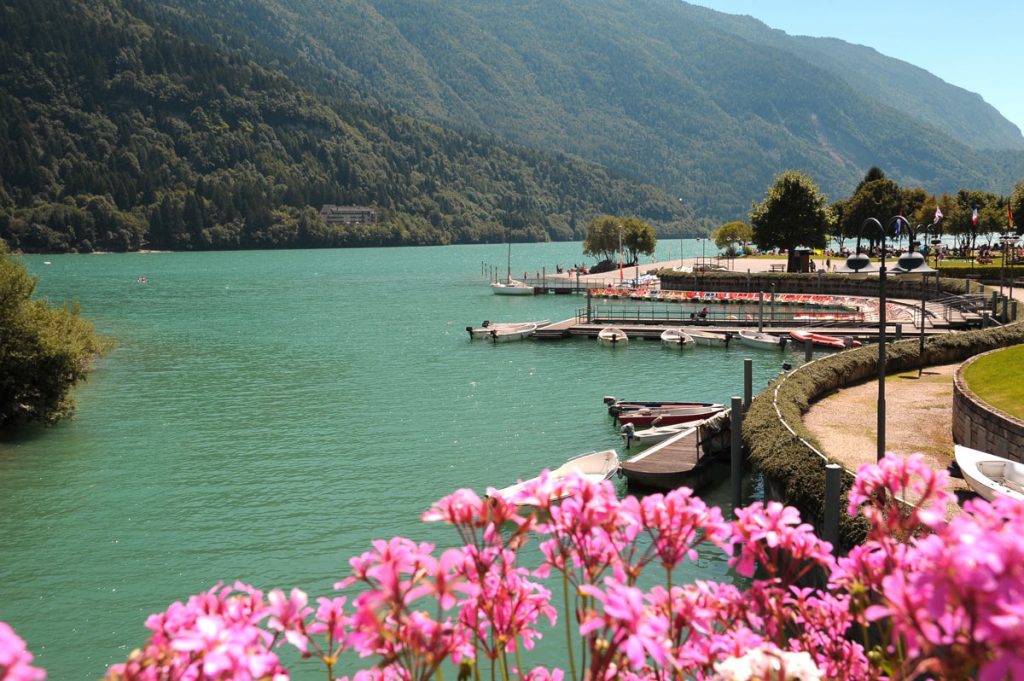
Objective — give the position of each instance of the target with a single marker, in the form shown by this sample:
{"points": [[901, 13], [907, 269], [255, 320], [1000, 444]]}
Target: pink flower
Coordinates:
{"points": [[632, 628], [288, 615], [15, 659]]}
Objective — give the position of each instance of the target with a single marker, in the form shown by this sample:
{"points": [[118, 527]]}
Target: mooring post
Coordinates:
{"points": [[808, 350], [760, 311], [748, 382], [736, 458], [833, 478], [899, 332]]}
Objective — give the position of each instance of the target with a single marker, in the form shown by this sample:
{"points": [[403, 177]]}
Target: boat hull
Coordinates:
{"points": [[714, 340], [647, 418], [820, 340], [612, 337], [593, 466], [761, 341], [990, 475], [500, 289]]}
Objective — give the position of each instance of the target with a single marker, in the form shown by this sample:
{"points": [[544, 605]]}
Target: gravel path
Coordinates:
{"points": [[918, 418]]}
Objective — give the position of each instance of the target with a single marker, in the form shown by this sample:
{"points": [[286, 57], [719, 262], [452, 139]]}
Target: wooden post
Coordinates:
{"points": [[748, 382], [808, 350], [760, 311], [736, 453], [899, 332], [833, 489]]}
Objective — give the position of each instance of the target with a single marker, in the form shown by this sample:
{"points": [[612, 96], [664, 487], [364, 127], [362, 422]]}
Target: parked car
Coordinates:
{"points": [[608, 266]]}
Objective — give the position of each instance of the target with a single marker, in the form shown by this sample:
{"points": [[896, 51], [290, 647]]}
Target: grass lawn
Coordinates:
{"points": [[999, 380]]}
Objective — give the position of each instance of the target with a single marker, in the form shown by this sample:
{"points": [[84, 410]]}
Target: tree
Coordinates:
{"points": [[793, 213], [1017, 206], [44, 351], [638, 238], [732, 233], [604, 237], [875, 197]]}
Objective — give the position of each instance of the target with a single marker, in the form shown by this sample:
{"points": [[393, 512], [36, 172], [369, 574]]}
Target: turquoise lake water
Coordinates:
{"points": [[267, 414]]}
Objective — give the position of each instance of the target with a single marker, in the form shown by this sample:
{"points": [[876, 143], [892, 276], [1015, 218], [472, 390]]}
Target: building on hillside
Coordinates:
{"points": [[347, 215]]}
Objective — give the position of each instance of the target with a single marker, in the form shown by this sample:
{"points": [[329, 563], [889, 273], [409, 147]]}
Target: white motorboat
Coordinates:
{"points": [[677, 338], [612, 336], [990, 475], [761, 340], [718, 340], [514, 332], [512, 287], [486, 329], [592, 466], [648, 436]]}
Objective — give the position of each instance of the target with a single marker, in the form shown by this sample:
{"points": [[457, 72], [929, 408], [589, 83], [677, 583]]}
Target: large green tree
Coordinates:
{"points": [[793, 213], [44, 351]]}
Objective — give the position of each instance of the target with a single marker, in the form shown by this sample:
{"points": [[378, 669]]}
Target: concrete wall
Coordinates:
{"points": [[980, 426]]}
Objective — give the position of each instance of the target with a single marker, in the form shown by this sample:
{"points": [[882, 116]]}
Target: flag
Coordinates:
{"points": [[974, 217], [938, 215]]}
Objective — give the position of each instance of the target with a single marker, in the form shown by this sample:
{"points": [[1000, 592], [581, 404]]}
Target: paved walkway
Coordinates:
{"points": [[918, 418]]}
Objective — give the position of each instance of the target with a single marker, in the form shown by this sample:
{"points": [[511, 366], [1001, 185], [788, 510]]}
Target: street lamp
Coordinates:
{"points": [[913, 261], [859, 263], [1008, 241]]}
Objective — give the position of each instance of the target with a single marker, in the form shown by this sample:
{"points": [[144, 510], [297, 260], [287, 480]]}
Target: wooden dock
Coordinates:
{"points": [[680, 459]]}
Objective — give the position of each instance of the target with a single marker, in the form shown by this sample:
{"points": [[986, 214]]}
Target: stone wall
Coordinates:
{"points": [[980, 426]]}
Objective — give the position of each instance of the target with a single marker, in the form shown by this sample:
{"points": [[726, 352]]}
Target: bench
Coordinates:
{"points": [[777, 267]]}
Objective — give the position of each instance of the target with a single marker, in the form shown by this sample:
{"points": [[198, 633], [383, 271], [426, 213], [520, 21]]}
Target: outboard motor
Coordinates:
{"points": [[782, 345], [469, 330], [609, 399]]}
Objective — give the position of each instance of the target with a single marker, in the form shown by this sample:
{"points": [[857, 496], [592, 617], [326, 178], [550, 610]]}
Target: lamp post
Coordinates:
{"points": [[859, 262], [913, 261], [1008, 241]]}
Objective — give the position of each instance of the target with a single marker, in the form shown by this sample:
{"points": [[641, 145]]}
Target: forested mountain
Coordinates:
{"points": [[705, 105], [119, 131]]}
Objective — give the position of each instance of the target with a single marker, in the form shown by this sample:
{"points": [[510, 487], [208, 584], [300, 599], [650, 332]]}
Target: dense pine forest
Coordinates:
{"points": [[118, 134]]}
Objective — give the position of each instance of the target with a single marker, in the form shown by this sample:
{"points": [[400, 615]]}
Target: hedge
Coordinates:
{"points": [[797, 469]]}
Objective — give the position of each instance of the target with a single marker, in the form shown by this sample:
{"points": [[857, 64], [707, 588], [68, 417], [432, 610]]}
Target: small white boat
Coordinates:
{"points": [[593, 466], [718, 340], [677, 338], [990, 475], [648, 436], [486, 329], [761, 340], [612, 336], [513, 287], [514, 332]]}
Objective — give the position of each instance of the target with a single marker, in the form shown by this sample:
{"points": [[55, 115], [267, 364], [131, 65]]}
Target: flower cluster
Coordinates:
{"points": [[923, 597]]}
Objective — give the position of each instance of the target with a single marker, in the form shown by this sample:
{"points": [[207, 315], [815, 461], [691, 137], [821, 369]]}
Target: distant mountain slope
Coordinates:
{"points": [[117, 132], [961, 114], [704, 105]]}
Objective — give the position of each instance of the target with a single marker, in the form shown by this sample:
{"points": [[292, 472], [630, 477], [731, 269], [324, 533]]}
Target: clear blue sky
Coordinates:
{"points": [[974, 44]]}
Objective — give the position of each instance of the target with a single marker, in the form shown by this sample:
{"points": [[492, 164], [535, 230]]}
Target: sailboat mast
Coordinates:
{"points": [[508, 276]]}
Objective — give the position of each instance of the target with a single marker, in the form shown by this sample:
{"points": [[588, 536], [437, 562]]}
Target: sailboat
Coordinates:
{"points": [[511, 287]]}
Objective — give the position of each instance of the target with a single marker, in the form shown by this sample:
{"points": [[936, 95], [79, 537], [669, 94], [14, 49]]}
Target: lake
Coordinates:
{"points": [[267, 414]]}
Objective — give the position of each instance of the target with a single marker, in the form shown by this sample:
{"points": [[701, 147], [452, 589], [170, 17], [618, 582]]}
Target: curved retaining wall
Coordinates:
{"points": [[978, 425]]}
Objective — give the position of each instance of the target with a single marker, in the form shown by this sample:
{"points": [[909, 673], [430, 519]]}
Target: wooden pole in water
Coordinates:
{"points": [[748, 382], [736, 453]]}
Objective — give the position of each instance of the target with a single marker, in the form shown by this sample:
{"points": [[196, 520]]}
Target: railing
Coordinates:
{"points": [[674, 313]]}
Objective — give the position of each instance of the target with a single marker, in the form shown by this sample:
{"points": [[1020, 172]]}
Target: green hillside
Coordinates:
{"points": [[704, 105], [119, 132]]}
